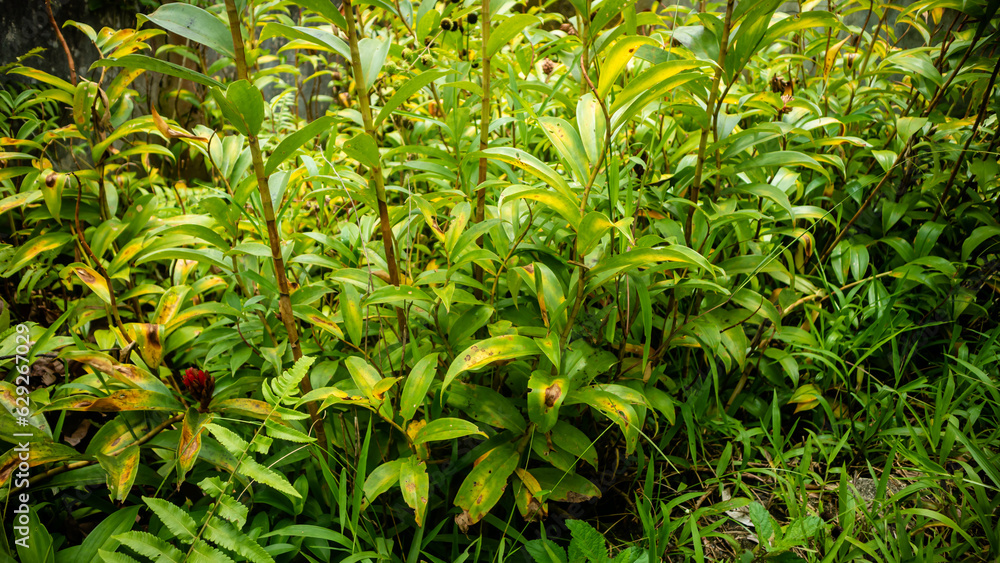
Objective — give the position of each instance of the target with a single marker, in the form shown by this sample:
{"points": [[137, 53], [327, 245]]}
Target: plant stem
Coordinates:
{"points": [[273, 236], [388, 241], [709, 112], [62, 41], [484, 128], [972, 135]]}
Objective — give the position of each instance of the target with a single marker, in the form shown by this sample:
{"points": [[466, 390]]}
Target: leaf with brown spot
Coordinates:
{"points": [[614, 407], [487, 351], [40, 453], [547, 394], [415, 484], [190, 442], [169, 132], [94, 281], [149, 338], [121, 470], [565, 487], [831, 56], [485, 484], [130, 375], [170, 303], [116, 434], [31, 249], [121, 400]]}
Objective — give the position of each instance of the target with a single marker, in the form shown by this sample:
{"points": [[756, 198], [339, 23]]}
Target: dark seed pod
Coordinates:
{"points": [[472, 18], [475, 64], [427, 60], [447, 24], [464, 53], [458, 27]]}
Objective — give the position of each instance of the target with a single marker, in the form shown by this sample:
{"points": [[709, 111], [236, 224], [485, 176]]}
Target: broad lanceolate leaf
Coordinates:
{"points": [[381, 479], [41, 453], [121, 400], [189, 444], [411, 86], [486, 482], [547, 394], [567, 143], [529, 163], [507, 30], [683, 256], [121, 471], [415, 484], [292, 142], [417, 383], [364, 375], [617, 58], [196, 24], [445, 429], [487, 351], [363, 149]]}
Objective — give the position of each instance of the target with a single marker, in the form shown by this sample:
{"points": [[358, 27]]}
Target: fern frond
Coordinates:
{"points": [[112, 557], [224, 534], [267, 476], [282, 432], [228, 507], [148, 545], [229, 439], [180, 523], [204, 553], [280, 388]]}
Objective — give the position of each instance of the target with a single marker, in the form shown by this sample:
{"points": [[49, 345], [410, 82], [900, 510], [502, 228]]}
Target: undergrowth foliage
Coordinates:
{"points": [[482, 280]]}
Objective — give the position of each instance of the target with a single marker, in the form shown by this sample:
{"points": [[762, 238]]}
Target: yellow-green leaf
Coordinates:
{"points": [[485, 352]]}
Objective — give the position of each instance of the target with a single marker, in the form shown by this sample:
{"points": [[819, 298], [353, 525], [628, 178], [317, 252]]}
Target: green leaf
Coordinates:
{"points": [[326, 9], [445, 429], [507, 30], [650, 79], [592, 124], [362, 148], [196, 24], [103, 537], [410, 87], [225, 535], [373, 53], [587, 542], [350, 310], [977, 237], [679, 256], [155, 65], [381, 479], [762, 523], [417, 383], [487, 406], [315, 38], [616, 60], [292, 142], [564, 206], [567, 143], [528, 163], [415, 484], [249, 102], [545, 551], [547, 394], [364, 375], [486, 482], [485, 352]]}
